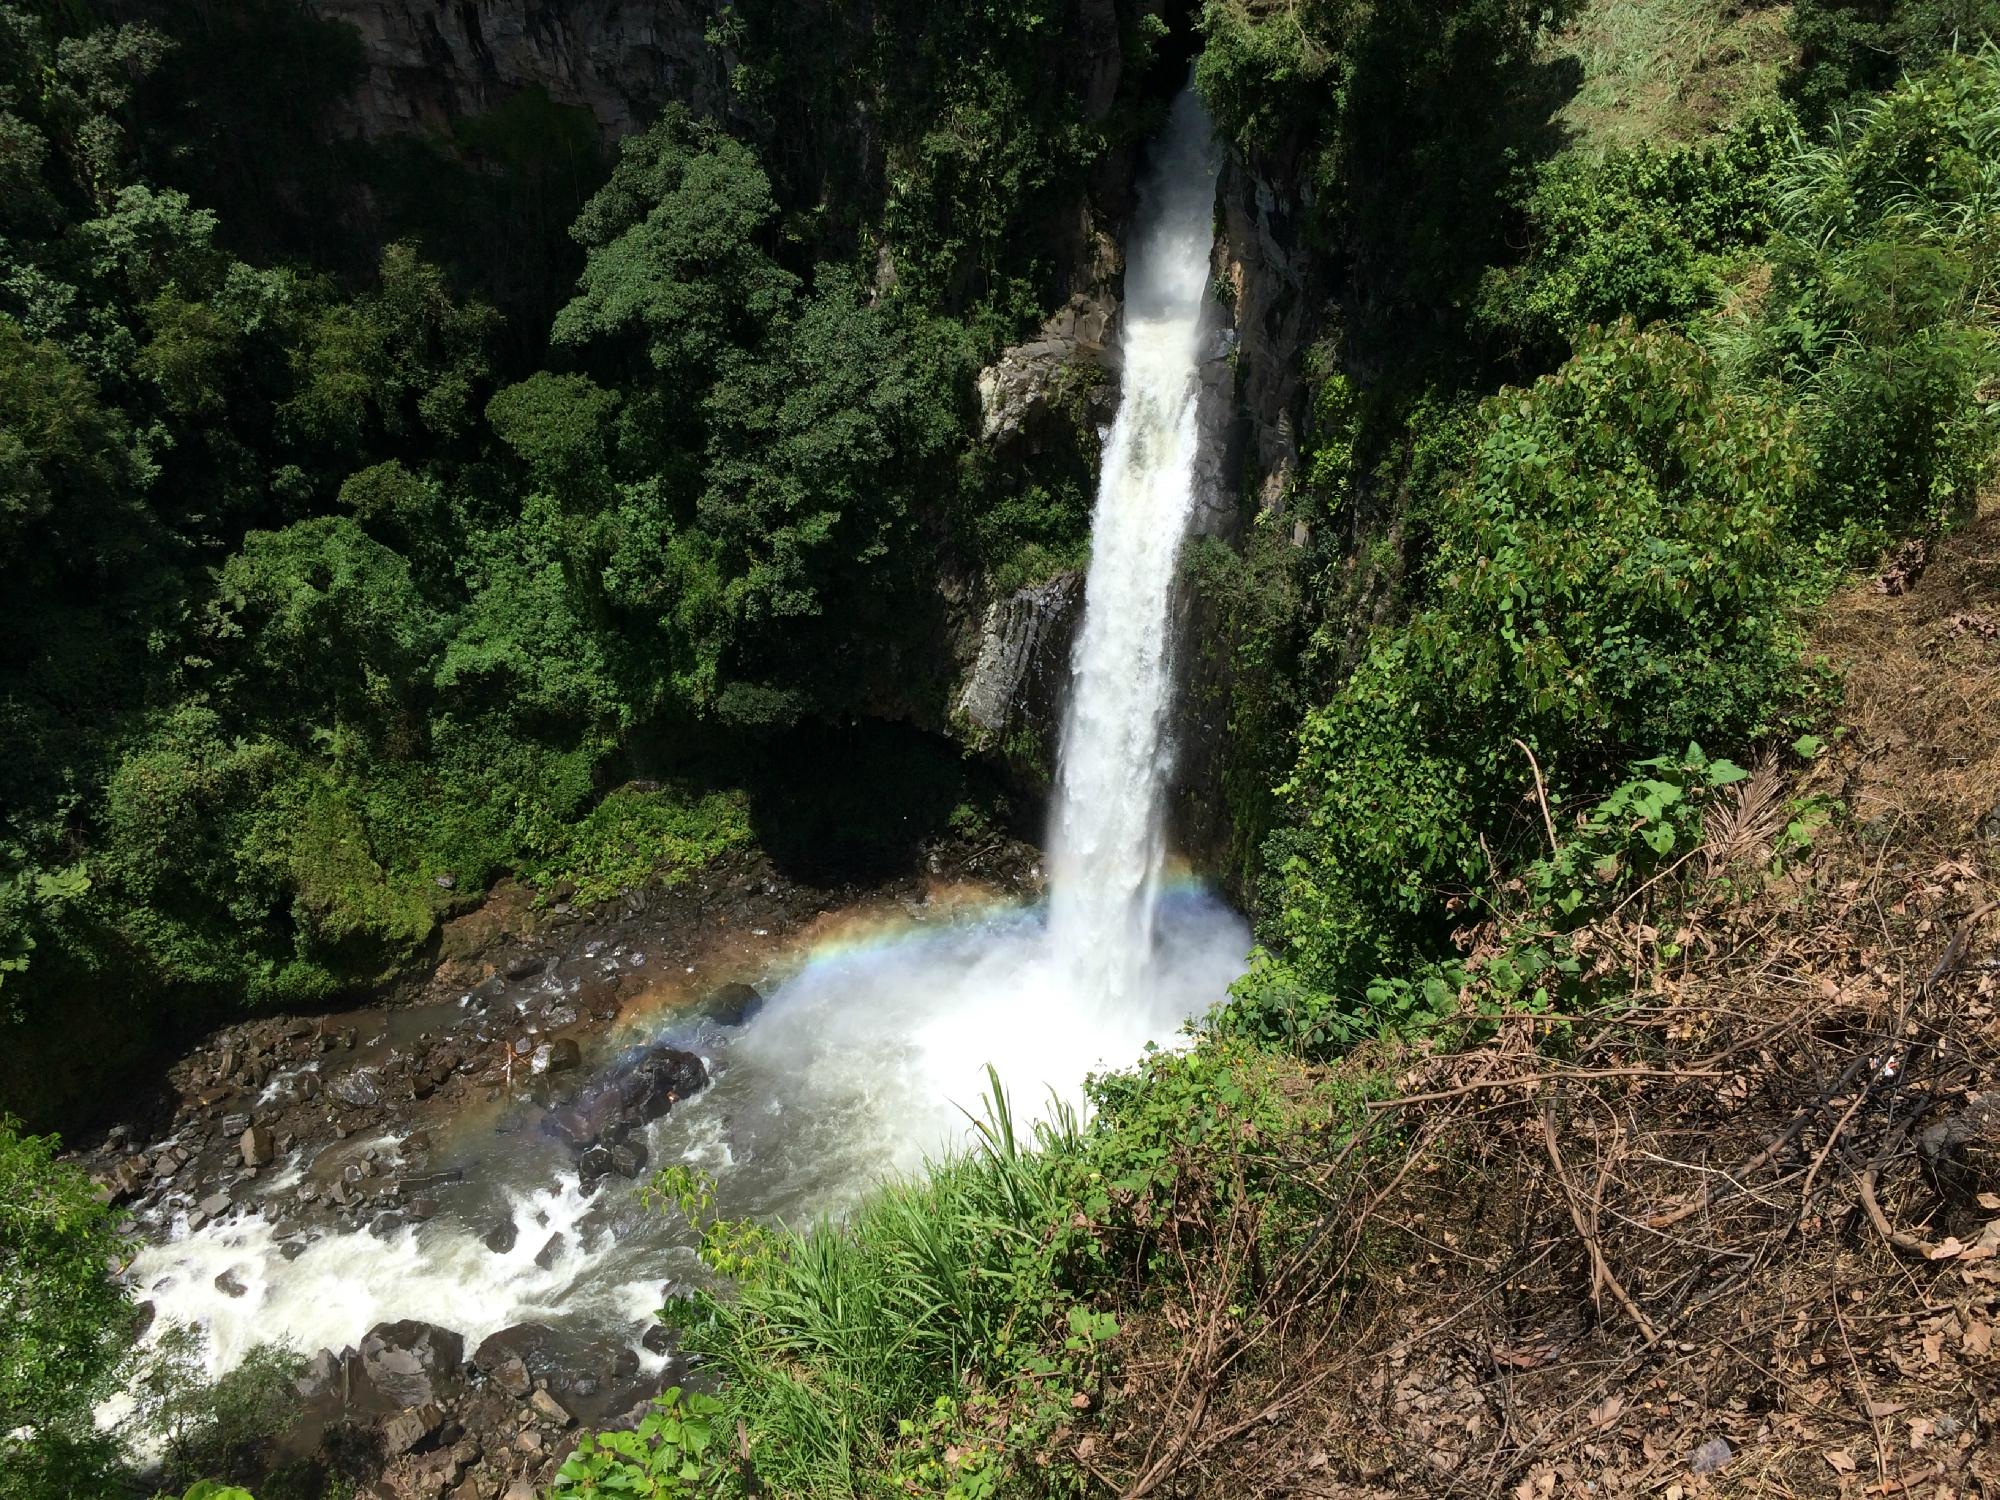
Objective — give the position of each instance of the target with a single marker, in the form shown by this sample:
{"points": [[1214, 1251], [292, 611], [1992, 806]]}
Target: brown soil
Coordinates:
{"points": [[1737, 1233]]}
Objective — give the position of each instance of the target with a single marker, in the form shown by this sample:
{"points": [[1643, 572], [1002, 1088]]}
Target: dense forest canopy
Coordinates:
{"points": [[345, 583]]}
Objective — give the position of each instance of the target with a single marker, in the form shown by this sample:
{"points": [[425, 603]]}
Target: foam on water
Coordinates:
{"points": [[341, 1285]]}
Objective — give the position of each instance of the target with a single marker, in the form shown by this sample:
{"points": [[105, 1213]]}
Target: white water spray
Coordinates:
{"points": [[1116, 753], [866, 1057]]}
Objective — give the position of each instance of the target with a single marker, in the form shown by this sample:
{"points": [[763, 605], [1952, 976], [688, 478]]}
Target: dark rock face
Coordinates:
{"points": [[1251, 409], [1042, 391], [427, 64], [1018, 679]]}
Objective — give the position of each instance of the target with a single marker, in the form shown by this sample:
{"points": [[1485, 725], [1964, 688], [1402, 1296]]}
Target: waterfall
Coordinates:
{"points": [[869, 1053], [1106, 837]]}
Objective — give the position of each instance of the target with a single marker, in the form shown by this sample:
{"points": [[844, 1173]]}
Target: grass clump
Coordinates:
{"points": [[950, 1335]]}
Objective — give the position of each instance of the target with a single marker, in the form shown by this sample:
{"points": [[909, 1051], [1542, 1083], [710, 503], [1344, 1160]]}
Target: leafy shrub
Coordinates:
{"points": [[1634, 233], [203, 1425], [1877, 319], [636, 835], [676, 1450], [1850, 47], [1611, 574]]}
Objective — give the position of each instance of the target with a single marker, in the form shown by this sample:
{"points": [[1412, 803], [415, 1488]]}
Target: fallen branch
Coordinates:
{"points": [[1601, 1273], [1904, 1241], [1520, 1079]]}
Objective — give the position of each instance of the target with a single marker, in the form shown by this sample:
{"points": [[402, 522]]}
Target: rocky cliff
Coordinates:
{"points": [[1251, 410], [1009, 701], [428, 62]]}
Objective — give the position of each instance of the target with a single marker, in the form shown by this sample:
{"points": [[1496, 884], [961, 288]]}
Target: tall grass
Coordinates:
{"points": [[836, 1332]]}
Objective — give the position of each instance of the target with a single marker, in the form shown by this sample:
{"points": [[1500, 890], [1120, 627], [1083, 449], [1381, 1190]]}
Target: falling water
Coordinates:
{"points": [[867, 1056], [1116, 754]]}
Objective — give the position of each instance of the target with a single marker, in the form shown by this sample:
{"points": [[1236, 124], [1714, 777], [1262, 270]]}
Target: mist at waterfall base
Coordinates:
{"points": [[868, 1056]]}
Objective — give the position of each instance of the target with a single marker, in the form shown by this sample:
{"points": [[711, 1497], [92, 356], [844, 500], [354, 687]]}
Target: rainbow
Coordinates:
{"points": [[852, 935]]}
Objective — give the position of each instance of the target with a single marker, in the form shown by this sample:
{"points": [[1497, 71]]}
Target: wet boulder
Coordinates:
{"points": [[257, 1145], [320, 1376], [407, 1429], [661, 1079], [600, 1127], [409, 1362], [553, 1091], [510, 1374], [126, 1177], [734, 1004], [528, 1345], [586, 1121], [361, 1088], [550, 1410], [627, 1158], [557, 1056], [594, 1163]]}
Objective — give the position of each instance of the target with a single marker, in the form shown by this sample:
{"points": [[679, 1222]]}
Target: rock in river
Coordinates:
{"points": [[257, 1145], [408, 1362], [558, 1056], [361, 1088], [734, 1004]]}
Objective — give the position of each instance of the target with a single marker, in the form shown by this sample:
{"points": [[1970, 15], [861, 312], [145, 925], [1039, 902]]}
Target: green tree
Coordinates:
{"points": [[680, 265], [62, 1321], [404, 361]]}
